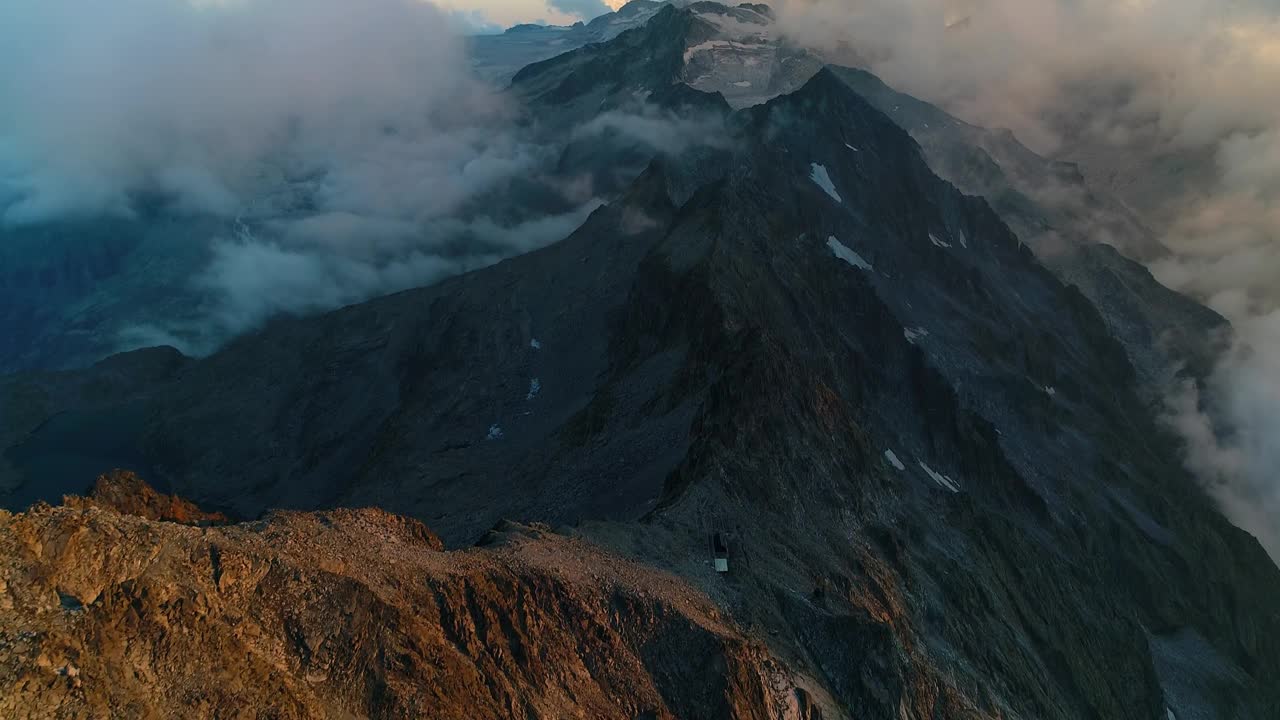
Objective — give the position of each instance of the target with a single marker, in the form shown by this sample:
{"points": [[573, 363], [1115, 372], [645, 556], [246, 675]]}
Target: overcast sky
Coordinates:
{"points": [[509, 12]]}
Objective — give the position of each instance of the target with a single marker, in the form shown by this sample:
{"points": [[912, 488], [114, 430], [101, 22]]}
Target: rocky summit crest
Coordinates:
{"points": [[108, 609]]}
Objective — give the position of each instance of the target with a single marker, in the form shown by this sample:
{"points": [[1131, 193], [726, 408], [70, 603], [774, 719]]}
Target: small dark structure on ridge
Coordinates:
{"points": [[720, 553]]}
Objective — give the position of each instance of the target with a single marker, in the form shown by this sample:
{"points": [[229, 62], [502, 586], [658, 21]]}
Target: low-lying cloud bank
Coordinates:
{"points": [[582, 9], [345, 144], [204, 102], [1170, 103]]}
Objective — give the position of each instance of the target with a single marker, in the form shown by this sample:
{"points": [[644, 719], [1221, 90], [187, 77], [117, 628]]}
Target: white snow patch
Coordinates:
{"points": [[939, 478], [852, 147], [535, 387], [964, 240], [535, 344], [843, 252], [913, 334], [1168, 713], [732, 27], [743, 84], [893, 460], [939, 242], [1050, 391], [495, 433], [819, 175]]}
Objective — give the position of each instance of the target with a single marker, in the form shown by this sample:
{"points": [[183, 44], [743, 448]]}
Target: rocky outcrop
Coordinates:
{"points": [[124, 492], [355, 613]]}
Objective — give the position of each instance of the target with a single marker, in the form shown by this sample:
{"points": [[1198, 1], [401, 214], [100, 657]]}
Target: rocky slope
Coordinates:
{"points": [[1087, 237], [354, 613]]}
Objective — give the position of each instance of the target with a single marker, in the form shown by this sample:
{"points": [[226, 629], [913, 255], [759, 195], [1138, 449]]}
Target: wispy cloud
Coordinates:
{"points": [[346, 146]]}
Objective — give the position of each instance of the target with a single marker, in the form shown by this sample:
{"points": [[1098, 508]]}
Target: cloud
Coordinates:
{"points": [[346, 147], [667, 133], [1170, 104], [1183, 71], [585, 9], [107, 100], [474, 22], [1232, 429]]}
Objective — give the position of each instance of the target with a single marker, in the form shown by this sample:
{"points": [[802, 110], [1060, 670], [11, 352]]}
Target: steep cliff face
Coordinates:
{"points": [[355, 613], [1084, 234], [1088, 237], [904, 414]]}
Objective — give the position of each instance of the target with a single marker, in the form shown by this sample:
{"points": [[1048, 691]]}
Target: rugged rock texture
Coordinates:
{"points": [[356, 613], [737, 54], [733, 51], [1087, 237], [124, 492]]}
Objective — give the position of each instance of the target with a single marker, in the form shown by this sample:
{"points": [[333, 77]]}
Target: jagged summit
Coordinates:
{"points": [[1068, 222], [735, 51], [123, 492], [356, 613]]}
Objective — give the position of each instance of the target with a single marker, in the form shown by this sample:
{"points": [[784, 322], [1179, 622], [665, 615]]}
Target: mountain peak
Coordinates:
{"points": [[735, 51], [356, 613]]}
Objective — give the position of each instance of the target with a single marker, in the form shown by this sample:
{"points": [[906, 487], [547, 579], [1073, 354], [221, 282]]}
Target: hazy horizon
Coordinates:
{"points": [[505, 13]]}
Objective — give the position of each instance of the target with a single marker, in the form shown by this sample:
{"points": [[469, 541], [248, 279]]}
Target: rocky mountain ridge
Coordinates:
{"points": [[354, 613]]}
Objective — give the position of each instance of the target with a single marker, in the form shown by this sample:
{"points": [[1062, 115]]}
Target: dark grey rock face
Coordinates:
{"points": [[1068, 222], [1087, 237]]}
